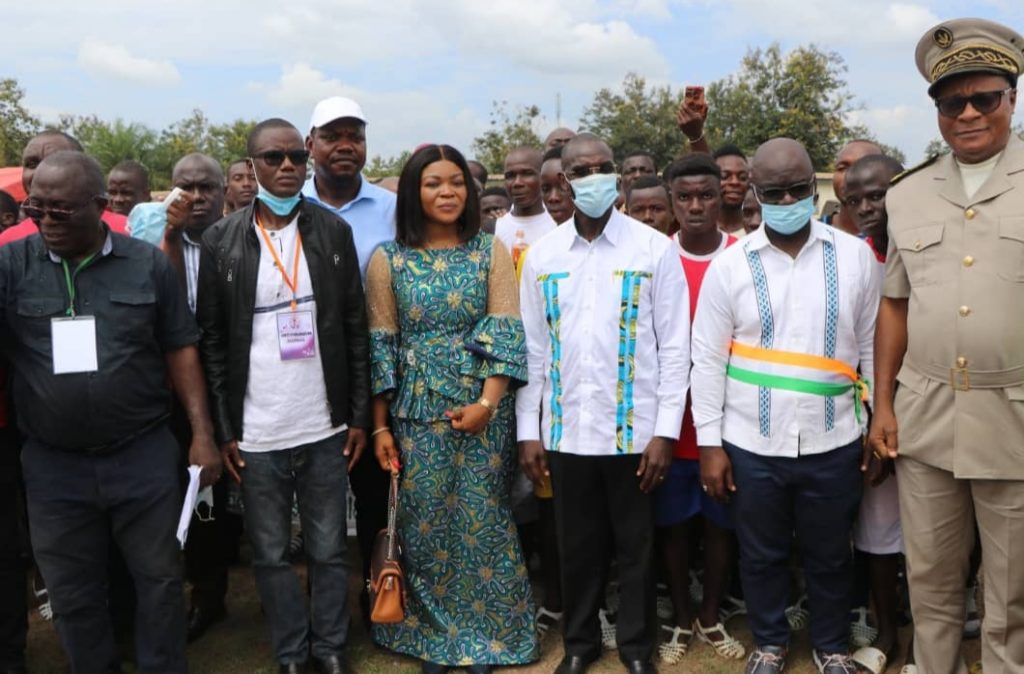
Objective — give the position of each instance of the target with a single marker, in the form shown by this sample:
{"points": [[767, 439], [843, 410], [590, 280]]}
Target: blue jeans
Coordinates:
{"points": [[316, 474], [77, 504], [817, 497]]}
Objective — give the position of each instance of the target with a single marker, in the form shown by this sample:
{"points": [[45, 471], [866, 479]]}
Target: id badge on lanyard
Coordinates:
{"points": [[296, 336], [73, 337]]}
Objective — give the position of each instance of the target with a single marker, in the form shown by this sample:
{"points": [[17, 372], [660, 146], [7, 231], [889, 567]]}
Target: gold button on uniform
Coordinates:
{"points": [[970, 213], [917, 245], [968, 261], [961, 362], [964, 310]]}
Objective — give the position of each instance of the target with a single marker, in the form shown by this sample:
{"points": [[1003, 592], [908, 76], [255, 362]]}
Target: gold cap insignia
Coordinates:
{"points": [[943, 37]]}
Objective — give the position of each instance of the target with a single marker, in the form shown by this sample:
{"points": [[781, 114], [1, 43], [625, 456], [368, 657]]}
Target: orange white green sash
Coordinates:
{"points": [[858, 385]]}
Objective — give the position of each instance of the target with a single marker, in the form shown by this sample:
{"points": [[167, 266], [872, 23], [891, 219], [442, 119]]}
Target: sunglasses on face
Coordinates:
{"points": [[578, 172], [276, 157], [984, 102], [773, 194], [34, 212]]}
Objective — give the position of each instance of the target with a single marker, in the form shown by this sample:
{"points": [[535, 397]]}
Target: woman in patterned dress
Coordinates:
{"points": [[447, 345]]}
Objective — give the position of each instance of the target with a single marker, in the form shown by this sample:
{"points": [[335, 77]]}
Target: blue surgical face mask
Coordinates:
{"points": [[788, 219], [280, 206], [596, 193]]}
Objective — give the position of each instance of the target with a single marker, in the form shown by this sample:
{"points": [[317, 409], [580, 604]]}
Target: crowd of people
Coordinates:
{"points": [[622, 401]]}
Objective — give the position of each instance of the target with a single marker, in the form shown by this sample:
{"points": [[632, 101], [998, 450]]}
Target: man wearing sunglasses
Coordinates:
{"points": [[95, 325], [951, 332], [785, 321], [286, 348]]}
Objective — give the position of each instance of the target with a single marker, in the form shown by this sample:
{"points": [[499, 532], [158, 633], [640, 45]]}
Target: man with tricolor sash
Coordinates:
{"points": [[782, 351]]}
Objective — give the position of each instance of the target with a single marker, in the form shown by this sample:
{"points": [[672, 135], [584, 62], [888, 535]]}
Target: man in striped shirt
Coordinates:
{"points": [[207, 549]]}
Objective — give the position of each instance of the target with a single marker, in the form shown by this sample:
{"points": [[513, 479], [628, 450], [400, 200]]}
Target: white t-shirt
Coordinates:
{"points": [[974, 176], [532, 226], [285, 400]]}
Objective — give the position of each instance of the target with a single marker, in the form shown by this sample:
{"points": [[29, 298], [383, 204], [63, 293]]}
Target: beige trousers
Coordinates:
{"points": [[938, 513]]}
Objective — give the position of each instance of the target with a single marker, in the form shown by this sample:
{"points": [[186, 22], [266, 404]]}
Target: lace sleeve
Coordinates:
{"points": [[382, 313]]}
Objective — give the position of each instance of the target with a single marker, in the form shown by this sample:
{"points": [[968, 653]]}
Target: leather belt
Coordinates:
{"points": [[964, 379]]}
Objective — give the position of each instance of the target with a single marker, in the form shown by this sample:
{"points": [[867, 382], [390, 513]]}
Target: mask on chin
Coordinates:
{"points": [[280, 206]]}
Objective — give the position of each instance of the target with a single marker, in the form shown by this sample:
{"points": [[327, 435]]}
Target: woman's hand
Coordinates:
{"points": [[470, 419], [386, 451]]}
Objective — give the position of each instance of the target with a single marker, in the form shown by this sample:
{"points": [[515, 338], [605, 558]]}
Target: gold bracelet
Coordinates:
{"points": [[380, 430], [488, 405]]}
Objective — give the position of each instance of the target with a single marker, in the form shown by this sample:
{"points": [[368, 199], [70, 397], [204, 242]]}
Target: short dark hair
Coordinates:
{"points": [[553, 153], [84, 165], [8, 204], [52, 133], [495, 191], [133, 168], [729, 150], [693, 164], [885, 161], [257, 131], [646, 182], [475, 168], [639, 153], [410, 225]]}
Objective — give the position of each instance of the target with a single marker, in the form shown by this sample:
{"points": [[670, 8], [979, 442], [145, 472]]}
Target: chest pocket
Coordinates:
{"points": [[919, 250], [35, 313], [134, 313], [1010, 256]]}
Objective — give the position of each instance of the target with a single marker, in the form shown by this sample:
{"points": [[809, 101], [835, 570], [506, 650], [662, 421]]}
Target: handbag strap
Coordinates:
{"points": [[392, 516]]}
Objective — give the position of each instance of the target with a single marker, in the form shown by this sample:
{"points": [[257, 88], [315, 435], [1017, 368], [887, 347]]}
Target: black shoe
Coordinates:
{"points": [[766, 660], [480, 669], [434, 668], [640, 667], [332, 664], [574, 664], [200, 620], [291, 668]]}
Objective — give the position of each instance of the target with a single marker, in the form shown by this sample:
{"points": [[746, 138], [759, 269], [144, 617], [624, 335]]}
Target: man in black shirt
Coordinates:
{"points": [[94, 325]]}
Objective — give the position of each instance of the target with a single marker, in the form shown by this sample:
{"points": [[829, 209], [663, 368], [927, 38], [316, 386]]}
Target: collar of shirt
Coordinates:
{"points": [[612, 233], [758, 239], [367, 190], [108, 248], [185, 237]]}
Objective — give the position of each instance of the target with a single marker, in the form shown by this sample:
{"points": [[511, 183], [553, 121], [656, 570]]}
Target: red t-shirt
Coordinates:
{"points": [[26, 228], [694, 266]]}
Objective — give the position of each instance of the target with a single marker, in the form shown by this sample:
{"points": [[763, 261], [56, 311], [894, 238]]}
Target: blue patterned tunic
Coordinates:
{"points": [[442, 321]]}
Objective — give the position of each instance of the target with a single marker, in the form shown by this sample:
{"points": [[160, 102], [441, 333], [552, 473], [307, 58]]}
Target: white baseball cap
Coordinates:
{"points": [[335, 107]]}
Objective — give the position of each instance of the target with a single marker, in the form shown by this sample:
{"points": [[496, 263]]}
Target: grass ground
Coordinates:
{"points": [[239, 645]]}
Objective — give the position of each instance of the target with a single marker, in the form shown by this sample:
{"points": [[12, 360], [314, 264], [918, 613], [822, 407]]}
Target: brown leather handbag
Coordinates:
{"points": [[387, 582]]}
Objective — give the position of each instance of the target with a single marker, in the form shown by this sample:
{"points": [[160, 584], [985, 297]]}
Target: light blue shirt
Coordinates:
{"points": [[371, 215]]}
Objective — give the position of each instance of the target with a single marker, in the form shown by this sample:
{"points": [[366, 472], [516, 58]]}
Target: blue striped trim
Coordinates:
{"points": [[632, 282], [831, 320], [549, 286], [764, 309]]}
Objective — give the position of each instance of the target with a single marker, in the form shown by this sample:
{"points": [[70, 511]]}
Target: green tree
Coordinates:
{"points": [[227, 142], [802, 95], [110, 143], [380, 166], [509, 130], [636, 119], [17, 126]]}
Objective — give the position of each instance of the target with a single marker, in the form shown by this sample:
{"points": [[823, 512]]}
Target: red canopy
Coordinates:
{"points": [[10, 182]]}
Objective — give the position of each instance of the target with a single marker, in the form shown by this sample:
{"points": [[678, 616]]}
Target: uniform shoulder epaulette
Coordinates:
{"points": [[914, 169]]}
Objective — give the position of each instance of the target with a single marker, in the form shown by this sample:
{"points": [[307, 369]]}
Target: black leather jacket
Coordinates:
{"points": [[226, 297]]}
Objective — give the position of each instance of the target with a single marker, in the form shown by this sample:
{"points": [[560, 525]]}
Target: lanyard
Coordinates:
{"points": [[292, 283], [69, 279]]}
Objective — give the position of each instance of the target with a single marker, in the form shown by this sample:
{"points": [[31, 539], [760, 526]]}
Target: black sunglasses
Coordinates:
{"points": [[983, 101], [276, 157], [584, 171], [37, 213], [774, 195]]}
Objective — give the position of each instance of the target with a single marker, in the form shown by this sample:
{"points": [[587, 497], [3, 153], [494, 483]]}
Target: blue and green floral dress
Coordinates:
{"points": [[442, 321]]}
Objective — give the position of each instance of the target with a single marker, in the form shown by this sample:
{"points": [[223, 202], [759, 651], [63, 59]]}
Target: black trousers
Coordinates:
{"points": [[599, 507], [13, 607], [369, 485]]}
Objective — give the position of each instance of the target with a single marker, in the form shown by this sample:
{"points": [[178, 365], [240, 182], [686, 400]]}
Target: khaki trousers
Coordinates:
{"points": [[938, 513]]}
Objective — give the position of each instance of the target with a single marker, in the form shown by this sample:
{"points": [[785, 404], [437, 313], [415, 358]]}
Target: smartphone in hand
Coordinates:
{"points": [[694, 99]]}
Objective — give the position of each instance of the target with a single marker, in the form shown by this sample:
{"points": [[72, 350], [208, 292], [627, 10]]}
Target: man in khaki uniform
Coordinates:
{"points": [[951, 331]]}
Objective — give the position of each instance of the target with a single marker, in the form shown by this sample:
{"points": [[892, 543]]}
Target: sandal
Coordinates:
{"points": [[909, 669], [673, 650], [871, 659], [862, 634], [727, 647], [43, 597], [797, 615], [607, 620], [972, 621], [731, 607], [546, 620]]}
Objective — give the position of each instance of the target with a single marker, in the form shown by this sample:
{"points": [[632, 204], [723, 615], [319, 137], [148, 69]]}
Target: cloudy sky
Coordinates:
{"points": [[429, 71]]}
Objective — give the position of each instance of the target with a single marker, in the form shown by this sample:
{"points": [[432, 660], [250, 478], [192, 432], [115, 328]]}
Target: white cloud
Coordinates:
{"points": [[103, 59]]}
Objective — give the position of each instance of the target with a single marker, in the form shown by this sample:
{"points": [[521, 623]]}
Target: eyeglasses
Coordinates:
{"points": [[983, 101], [276, 157], [578, 172], [36, 213], [774, 195]]}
